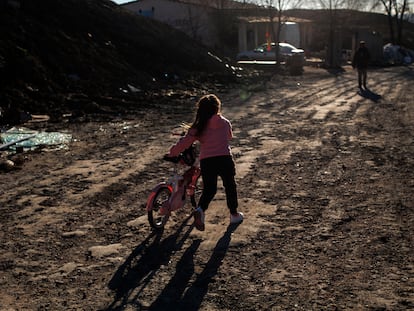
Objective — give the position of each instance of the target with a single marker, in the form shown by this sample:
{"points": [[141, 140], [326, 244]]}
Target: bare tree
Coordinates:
{"points": [[220, 4], [355, 5], [343, 4], [395, 10], [332, 6], [276, 9]]}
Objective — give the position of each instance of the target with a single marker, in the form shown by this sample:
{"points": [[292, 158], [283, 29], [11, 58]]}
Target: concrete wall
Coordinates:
{"points": [[252, 34], [191, 19]]}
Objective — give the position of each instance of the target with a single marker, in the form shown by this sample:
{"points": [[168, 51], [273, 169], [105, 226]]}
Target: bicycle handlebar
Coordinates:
{"points": [[171, 159], [188, 156]]}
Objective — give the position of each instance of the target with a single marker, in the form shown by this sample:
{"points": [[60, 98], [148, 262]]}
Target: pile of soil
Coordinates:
{"points": [[62, 56]]}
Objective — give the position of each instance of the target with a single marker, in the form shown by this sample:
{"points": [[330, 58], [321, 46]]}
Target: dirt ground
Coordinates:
{"points": [[325, 180]]}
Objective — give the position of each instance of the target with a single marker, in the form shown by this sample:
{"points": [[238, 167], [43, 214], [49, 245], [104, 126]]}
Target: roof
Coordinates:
{"points": [[265, 19], [224, 5], [229, 4]]}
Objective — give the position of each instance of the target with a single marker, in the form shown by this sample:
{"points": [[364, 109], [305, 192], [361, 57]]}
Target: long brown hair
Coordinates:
{"points": [[207, 106]]}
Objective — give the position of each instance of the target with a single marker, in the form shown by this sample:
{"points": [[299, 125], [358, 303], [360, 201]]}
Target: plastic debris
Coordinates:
{"points": [[31, 139]]}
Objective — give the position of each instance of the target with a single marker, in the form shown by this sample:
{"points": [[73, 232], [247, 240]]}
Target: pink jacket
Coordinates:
{"points": [[214, 140]]}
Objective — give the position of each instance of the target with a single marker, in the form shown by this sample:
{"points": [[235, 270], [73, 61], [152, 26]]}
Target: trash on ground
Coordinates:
{"points": [[31, 139], [397, 55]]}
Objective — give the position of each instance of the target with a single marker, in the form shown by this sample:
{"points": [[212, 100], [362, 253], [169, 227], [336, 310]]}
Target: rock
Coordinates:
{"points": [[105, 250], [6, 165]]}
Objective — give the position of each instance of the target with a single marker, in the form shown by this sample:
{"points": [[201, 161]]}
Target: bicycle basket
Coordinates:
{"points": [[188, 156]]}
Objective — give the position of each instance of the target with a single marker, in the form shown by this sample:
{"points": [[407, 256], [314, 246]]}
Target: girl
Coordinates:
{"points": [[213, 131]]}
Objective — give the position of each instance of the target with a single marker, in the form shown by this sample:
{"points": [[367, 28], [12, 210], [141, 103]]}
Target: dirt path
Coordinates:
{"points": [[325, 181]]}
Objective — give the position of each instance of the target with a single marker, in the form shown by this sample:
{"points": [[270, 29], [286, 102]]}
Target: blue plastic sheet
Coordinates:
{"points": [[31, 139]]}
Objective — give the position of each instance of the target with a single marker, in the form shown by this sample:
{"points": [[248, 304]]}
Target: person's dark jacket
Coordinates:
{"points": [[361, 58]]}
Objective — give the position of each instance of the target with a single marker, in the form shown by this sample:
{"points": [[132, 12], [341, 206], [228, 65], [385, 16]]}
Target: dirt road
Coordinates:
{"points": [[325, 179]]}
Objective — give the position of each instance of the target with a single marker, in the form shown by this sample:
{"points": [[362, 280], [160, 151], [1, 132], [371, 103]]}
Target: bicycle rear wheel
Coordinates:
{"points": [[158, 213]]}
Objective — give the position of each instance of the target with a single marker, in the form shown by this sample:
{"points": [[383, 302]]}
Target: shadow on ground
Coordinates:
{"points": [[144, 262], [368, 94]]}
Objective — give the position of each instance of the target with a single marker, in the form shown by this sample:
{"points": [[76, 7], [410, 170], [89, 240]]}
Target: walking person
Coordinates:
{"points": [[360, 62], [214, 132]]}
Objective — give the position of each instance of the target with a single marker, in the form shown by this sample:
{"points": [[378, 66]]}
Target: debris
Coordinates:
{"points": [[13, 142], [30, 139], [39, 118], [133, 89], [6, 165], [397, 55]]}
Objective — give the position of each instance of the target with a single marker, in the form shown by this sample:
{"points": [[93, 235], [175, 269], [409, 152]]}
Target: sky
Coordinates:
{"points": [[411, 2], [125, 1], [121, 1]]}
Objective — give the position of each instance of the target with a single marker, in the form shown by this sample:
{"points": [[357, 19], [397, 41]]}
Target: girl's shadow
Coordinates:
{"points": [[143, 263], [194, 295]]}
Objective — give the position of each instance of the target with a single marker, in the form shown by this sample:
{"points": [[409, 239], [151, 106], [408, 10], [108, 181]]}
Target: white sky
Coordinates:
{"points": [[411, 3], [121, 1]]}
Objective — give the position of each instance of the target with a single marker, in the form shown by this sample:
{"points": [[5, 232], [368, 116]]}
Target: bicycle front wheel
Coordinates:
{"points": [[158, 212]]}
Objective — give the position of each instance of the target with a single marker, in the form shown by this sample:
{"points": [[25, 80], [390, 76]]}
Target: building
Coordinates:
{"points": [[230, 27], [255, 30], [192, 19], [225, 25]]}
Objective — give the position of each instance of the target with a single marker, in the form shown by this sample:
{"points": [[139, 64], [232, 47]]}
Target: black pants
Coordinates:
{"points": [[211, 168], [362, 77]]}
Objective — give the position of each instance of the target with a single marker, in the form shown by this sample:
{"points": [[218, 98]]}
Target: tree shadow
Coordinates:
{"points": [[142, 264], [409, 73], [335, 71], [367, 93]]}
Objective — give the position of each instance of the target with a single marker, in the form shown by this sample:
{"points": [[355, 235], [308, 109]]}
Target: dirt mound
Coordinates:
{"points": [[54, 49]]}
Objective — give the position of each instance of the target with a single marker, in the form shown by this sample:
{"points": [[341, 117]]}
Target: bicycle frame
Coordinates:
{"points": [[177, 188]]}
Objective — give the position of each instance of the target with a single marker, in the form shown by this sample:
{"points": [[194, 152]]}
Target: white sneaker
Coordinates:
{"points": [[237, 218], [199, 219]]}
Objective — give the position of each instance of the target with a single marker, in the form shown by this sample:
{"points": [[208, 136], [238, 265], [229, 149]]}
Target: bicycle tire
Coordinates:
{"points": [[161, 197], [195, 197]]}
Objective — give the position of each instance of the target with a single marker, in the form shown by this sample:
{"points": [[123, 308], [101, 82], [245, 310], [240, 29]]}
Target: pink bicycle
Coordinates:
{"points": [[172, 195]]}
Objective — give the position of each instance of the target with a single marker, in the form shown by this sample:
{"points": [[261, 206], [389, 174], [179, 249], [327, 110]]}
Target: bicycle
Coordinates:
{"points": [[169, 196]]}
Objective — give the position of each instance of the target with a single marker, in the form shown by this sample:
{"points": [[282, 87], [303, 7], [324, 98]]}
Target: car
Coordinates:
{"points": [[262, 53]]}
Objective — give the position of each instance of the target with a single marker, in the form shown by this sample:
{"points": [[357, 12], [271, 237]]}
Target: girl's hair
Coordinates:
{"points": [[207, 106]]}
